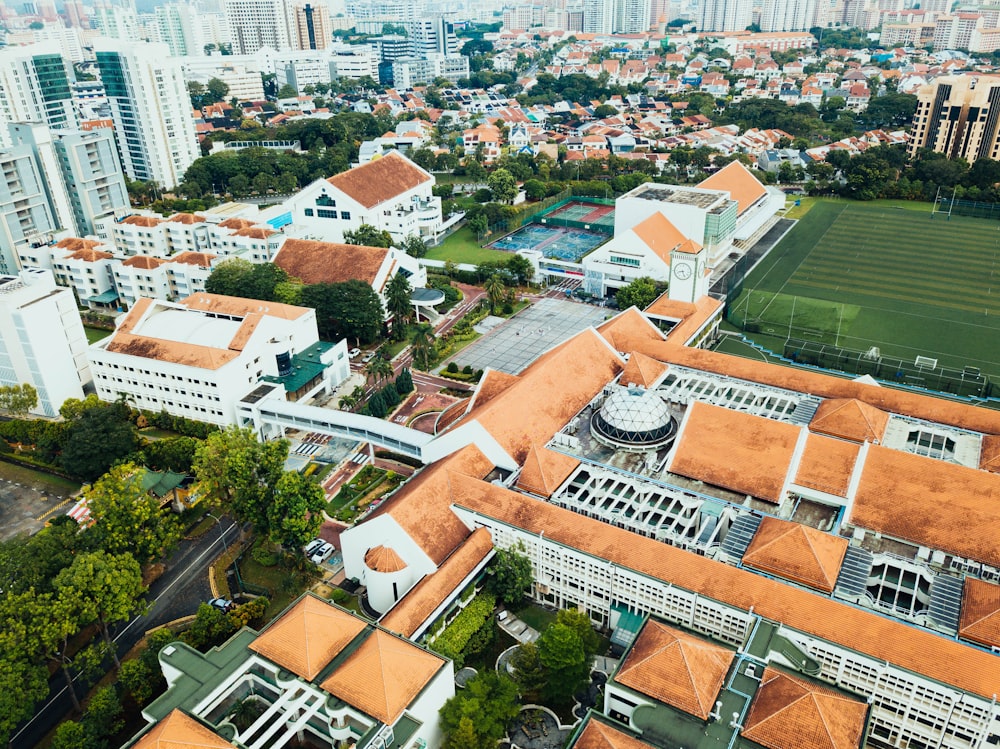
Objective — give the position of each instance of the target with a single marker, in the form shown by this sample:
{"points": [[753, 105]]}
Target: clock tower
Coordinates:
{"points": [[688, 277]]}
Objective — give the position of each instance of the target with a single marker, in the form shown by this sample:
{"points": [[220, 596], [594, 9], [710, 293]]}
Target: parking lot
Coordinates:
{"points": [[28, 500], [512, 346]]}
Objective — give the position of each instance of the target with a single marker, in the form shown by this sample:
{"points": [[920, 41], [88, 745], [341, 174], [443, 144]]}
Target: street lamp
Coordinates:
{"points": [[222, 535]]}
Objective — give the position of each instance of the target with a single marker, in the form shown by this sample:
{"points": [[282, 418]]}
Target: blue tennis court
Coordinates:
{"points": [[555, 243]]}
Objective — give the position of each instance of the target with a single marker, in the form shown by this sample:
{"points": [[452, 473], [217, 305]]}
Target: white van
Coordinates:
{"points": [[312, 546]]}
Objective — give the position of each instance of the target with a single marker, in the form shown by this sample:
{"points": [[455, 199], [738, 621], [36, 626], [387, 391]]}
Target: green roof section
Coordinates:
{"points": [[161, 483], [199, 673], [306, 366], [105, 297]]}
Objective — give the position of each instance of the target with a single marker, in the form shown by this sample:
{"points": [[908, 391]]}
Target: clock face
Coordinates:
{"points": [[682, 271]]}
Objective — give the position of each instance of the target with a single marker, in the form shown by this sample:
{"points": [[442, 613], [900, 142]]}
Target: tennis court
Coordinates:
{"points": [[555, 243], [585, 213]]}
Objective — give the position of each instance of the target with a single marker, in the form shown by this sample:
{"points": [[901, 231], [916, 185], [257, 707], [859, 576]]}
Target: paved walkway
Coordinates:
{"points": [[518, 629]]}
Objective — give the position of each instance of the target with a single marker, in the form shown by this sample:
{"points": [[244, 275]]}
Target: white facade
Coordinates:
{"points": [[197, 358], [787, 15], [408, 72], [352, 61], [42, 341], [724, 15], [180, 29], [68, 40], [26, 73], [151, 110], [254, 24], [598, 16]]}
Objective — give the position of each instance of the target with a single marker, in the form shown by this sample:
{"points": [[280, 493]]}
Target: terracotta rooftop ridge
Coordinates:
{"points": [[314, 262], [179, 731], [380, 179], [384, 559], [980, 619], [850, 418], [642, 370], [797, 552], [545, 470]]}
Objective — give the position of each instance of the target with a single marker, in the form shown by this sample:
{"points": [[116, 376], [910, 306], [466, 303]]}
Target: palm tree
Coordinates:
{"points": [[347, 402], [379, 368], [422, 347], [494, 291], [397, 302]]}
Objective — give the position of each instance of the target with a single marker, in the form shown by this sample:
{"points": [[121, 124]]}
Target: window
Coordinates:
{"points": [[326, 213], [308, 211], [632, 262], [346, 215], [327, 201]]}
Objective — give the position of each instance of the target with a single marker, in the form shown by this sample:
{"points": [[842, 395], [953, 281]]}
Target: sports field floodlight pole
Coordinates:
{"points": [[791, 319], [952, 206]]}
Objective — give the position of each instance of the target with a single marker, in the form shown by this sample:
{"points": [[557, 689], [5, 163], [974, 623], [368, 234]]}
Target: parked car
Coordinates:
{"points": [[322, 554], [312, 546], [353, 352], [368, 357], [223, 604]]}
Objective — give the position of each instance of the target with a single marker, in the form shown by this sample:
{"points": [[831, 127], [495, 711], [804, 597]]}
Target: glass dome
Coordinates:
{"points": [[634, 417]]}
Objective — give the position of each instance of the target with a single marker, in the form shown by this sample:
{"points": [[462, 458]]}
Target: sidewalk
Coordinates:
{"points": [[518, 629]]}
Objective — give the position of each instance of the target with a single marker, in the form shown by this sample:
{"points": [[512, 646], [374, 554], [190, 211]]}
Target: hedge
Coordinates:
{"points": [[456, 635]]}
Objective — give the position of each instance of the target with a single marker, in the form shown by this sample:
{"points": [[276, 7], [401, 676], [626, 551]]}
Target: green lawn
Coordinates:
{"points": [[38, 480], [535, 616], [462, 247], [95, 334], [863, 275]]}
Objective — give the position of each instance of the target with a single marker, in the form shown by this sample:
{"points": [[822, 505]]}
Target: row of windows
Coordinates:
{"points": [[328, 213]]}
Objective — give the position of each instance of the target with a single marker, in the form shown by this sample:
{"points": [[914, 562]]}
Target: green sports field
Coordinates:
{"points": [[862, 275]]}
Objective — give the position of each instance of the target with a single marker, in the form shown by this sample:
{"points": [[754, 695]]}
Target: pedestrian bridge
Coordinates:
{"points": [[269, 414]]}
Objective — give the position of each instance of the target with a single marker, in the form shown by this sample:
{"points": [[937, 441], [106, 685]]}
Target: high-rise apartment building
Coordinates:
{"points": [[631, 16], [309, 25], [725, 15], [116, 22], [598, 16], [958, 116], [26, 214], [151, 110], [431, 36], [787, 15], [35, 87], [180, 29], [42, 341], [254, 24]]}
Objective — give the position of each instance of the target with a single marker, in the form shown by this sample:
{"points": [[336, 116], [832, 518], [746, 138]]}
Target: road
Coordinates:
{"points": [[176, 593]]}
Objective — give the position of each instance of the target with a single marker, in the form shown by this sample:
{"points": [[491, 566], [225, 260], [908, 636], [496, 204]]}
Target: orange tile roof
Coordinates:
{"points": [[989, 458], [178, 731], [141, 220], [689, 247], [237, 223], [735, 450], [850, 419], [203, 259], [705, 309], [234, 305], [143, 262], [545, 470], [980, 620], [796, 552], [661, 236], [790, 713], [491, 385], [384, 559], [930, 502], [77, 243], [422, 506], [383, 676], [308, 636], [422, 600], [599, 735], [380, 179], [628, 330], [739, 182], [926, 407], [255, 232], [878, 636], [90, 256], [642, 370], [676, 668], [826, 465], [188, 354], [673, 309], [186, 218], [315, 262], [542, 392]]}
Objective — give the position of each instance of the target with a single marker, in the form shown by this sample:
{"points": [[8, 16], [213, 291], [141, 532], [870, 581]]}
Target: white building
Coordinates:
{"points": [[244, 79], [151, 110], [198, 357], [28, 215], [408, 72], [352, 61], [42, 341], [390, 193], [35, 87], [787, 15], [180, 29], [724, 15], [254, 24]]}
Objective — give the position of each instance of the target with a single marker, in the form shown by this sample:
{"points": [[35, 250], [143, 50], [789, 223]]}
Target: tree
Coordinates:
{"points": [[604, 110], [521, 268], [110, 590], [71, 735], [236, 470], [422, 347], [376, 406], [99, 438], [489, 701], [127, 518], [464, 736], [580, 623], [171, 454], [23, 681], [415, 246], [503, 185], [103, 717], [369, 236], [217, 89], [640, 293], [296, 512], [287, 91], [495, 291], [404, 382], [17, 400], [228, 277], [479, 224], [509, 575], [534, 189], [561, 652], [379, 369], [397, 303], [529, 673], [345, 310]]}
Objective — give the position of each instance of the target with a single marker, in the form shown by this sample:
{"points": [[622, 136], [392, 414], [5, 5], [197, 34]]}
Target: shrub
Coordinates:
{"points": [[456, 635], [340, 596], [452, 367], [264, 553], [467, 369]]}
